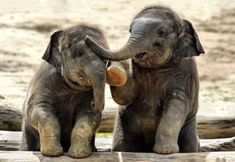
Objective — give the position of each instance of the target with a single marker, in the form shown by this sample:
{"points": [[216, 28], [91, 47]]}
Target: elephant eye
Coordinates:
{"points": [[162, 33], [79, 53]]}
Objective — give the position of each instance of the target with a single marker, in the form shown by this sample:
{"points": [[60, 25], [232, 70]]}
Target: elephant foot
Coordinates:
{"points": [[166, 148], [49, 149], [116, 75], [80, 150]]}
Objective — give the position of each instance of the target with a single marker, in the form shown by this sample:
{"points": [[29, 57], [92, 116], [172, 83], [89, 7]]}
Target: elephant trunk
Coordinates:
{"points": [[130, 49], [97, 76]]}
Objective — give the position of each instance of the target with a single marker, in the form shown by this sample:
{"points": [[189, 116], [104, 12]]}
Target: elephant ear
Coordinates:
{"points": [[52, 54], [189, 44]]}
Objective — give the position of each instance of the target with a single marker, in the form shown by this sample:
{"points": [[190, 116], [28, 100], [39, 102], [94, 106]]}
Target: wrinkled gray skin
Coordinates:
{"points": [[65, 98], [160, 99]]}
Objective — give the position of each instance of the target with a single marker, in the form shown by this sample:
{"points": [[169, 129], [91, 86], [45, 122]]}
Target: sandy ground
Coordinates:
{"points": [[25, 28]]}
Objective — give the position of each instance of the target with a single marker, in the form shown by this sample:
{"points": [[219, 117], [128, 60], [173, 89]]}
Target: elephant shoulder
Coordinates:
{"points": [[188, 66], [45, 75]]}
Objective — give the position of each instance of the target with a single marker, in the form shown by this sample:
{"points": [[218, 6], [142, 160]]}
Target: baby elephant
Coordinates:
{"points": [[161, 92], [65, 98]]}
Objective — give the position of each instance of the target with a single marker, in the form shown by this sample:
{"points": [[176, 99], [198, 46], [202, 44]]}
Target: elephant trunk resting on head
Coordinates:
{"points": [[160, 98], [65, 98]]}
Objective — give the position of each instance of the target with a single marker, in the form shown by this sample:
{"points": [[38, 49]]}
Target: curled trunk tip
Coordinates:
{"points": [[126, 52]]}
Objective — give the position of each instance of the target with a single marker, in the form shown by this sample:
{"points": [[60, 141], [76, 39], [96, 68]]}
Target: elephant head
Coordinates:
{"points": [[81, 69], [158, 37]]}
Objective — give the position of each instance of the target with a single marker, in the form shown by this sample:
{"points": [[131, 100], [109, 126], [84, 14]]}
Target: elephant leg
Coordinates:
{"points": [[115, 74], [131, 145], [29, 141], [83, 135], [49, 131], [171, 122], [188, 139], [94, 149], [126, 141]]}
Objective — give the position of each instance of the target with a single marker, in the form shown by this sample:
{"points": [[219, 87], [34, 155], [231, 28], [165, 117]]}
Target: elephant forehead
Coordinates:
{"points": [[150, 20], [67, 39]]}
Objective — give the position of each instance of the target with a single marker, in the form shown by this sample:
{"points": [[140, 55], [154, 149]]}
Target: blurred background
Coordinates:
{"points": [[26, 26]]}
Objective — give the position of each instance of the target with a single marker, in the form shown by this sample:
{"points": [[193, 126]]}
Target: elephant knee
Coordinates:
{"points": [[83, 131], [45, 122]]}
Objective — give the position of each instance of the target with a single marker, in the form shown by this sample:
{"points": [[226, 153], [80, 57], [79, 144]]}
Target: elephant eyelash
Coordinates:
{"points": [[161, 33], [157, 44], [79, 53]]}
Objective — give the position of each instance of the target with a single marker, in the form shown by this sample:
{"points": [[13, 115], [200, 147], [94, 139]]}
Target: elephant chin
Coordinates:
{"points": [[72, 84]]}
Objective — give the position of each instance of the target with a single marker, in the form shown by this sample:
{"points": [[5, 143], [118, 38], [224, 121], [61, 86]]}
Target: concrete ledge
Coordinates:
{"points": [[22, 156]]}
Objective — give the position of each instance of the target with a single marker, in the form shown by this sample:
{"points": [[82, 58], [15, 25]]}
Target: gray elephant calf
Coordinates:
{"points": [[65, 98], [161, 92]]}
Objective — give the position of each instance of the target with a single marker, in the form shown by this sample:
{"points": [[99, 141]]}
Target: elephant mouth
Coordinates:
{"points": [[143, 56], [140, 55], [148, 55], [72, 84]]}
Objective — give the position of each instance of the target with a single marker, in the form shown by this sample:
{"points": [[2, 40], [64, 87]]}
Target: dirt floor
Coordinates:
{"points": [[25, 28]]}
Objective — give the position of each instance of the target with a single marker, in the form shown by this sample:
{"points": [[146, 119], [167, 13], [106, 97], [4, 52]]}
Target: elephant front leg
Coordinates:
{"points": [[49, 131], [172, 119], [82, 134]]}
